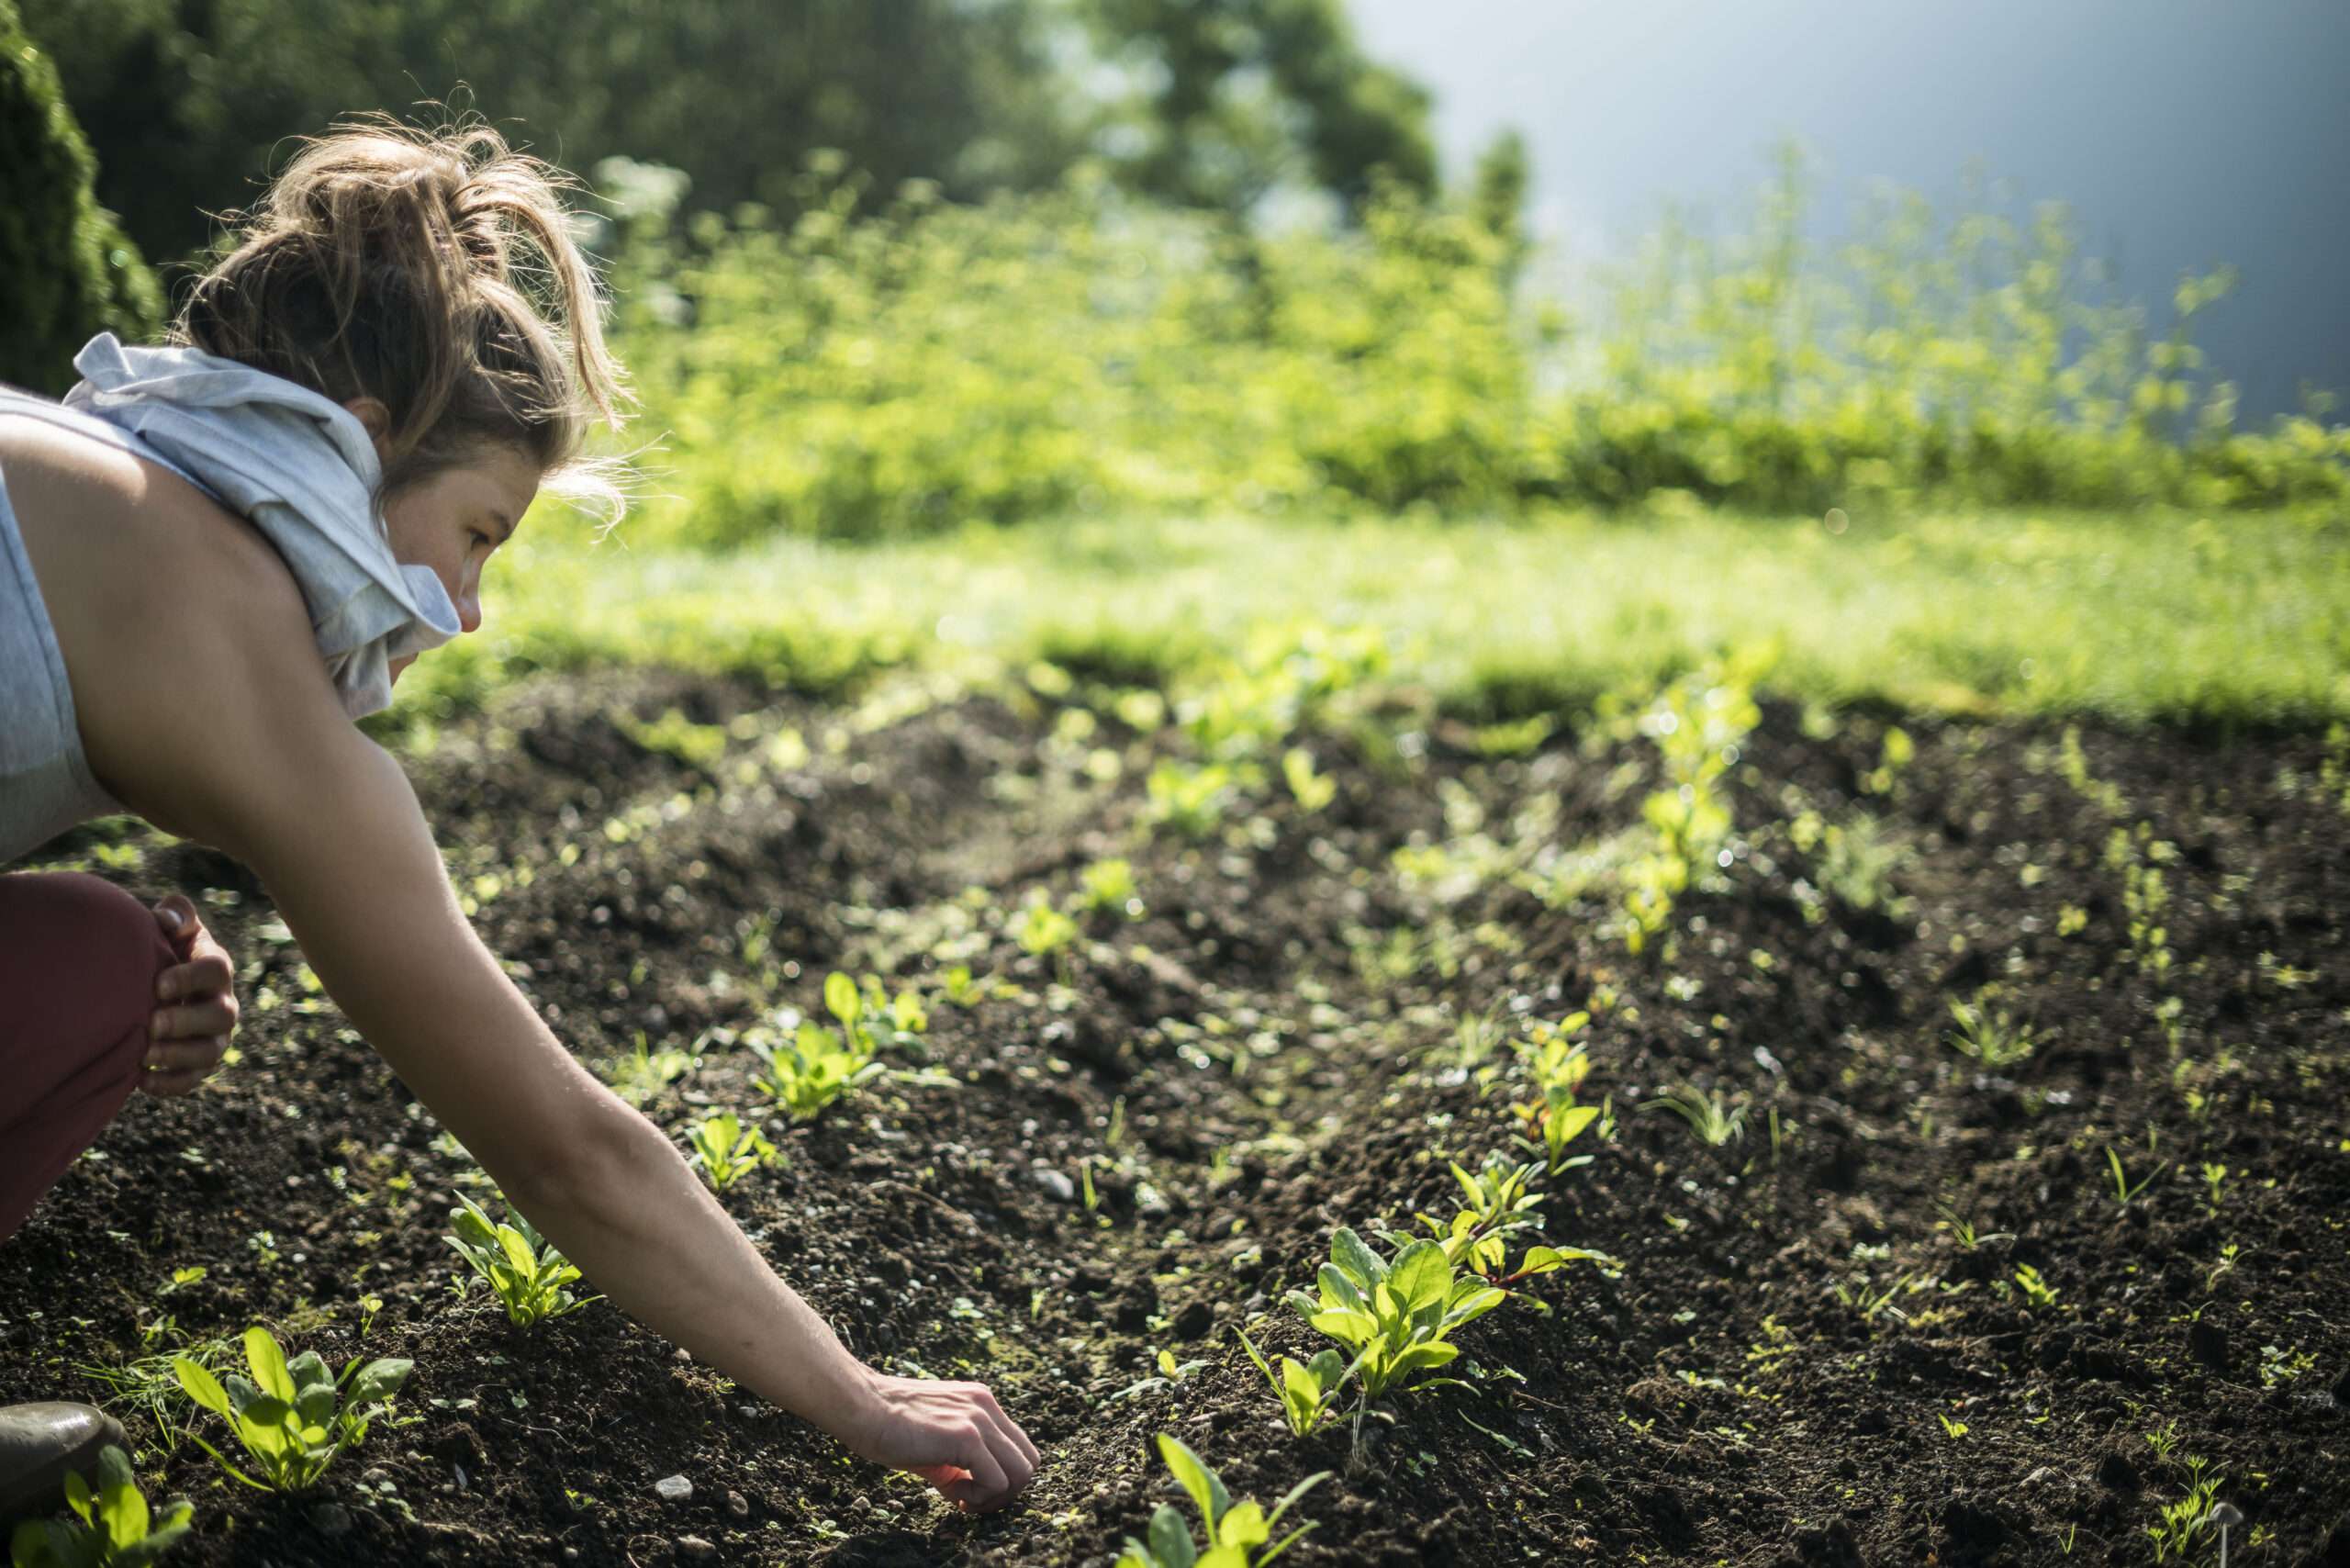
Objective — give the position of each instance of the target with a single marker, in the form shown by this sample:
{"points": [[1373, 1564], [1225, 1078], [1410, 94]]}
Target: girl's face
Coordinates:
{"points": [[453, 521]]}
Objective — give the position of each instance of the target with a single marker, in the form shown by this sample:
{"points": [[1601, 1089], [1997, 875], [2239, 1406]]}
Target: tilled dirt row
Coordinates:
{"points": [[1812, 1345]]}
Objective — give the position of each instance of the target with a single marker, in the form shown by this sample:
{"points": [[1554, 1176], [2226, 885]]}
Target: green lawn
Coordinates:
{"points": [[2235, 619]]}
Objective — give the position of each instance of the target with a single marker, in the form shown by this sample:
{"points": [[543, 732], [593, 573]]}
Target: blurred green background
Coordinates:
{"points": [[1102, 329]]}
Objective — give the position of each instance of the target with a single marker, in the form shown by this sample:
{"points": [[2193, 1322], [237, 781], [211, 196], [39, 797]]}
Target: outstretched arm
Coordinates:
{"points": [[225, 729]]}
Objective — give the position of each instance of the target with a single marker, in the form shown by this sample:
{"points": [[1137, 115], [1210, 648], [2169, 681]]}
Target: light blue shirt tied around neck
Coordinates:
{"points": [[301, 467]]}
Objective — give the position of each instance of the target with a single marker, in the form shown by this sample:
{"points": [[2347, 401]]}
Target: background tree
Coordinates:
{"points": [[1228, 98], [66, 269]]}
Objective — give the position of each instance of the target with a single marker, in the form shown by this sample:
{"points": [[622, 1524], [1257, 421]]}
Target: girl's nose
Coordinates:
{"points": [[469, 613]]}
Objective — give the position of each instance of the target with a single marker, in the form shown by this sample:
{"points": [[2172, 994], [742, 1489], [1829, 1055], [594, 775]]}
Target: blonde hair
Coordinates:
{"points": [[433, 270]]}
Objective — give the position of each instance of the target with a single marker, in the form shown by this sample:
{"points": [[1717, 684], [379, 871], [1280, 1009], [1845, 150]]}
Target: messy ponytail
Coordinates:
{"points": [[432, 270]]}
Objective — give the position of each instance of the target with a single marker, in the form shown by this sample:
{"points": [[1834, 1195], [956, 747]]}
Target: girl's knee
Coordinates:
{"points": [[88, 948]]}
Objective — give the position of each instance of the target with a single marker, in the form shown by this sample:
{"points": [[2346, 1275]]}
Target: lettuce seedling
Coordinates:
{"points": [[725, 1149], [1046, 930], [818, 1065], [1394, 1316], [293, 1417], [1308, 1390], [526, 1273], [1233, 1530], [112, 1527]]}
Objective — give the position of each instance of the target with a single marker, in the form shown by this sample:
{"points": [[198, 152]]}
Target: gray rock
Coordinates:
{"points": [[738, 1504], [1056, 1185], [331, 1520], [693, 1548], [674, 1489]]}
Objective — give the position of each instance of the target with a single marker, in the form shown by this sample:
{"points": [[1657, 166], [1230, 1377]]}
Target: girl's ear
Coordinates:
{"points": [[377, 420]]}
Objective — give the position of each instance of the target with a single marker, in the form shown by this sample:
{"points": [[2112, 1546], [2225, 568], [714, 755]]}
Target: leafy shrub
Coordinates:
{"points": [[112, 1525], [293, 1417], [926, 366]]}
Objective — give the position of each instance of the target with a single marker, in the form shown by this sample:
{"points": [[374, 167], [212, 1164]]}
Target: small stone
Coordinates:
{"points": [[693, 1548], [571, 1554], [1194, 1321], [1056, 1185], [682, 1356], [376, 1476], [2043, 1477], [738, 1504], [674, 1489], [331, 1520]]}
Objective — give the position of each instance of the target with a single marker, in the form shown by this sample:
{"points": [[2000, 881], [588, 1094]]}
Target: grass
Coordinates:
{"points": [[2239, 620]]}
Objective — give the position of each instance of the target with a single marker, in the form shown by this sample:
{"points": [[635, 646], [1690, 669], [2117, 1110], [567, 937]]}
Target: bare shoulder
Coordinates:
{"points": [[185, 637]]}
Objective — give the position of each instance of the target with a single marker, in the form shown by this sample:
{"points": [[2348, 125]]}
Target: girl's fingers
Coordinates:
{"points": [[171, 1085], [988, 1402], [199, 1057], [193, 1020], [207, 976]]}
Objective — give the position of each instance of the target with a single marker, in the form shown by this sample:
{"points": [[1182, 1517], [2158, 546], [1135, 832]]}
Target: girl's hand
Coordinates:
{"points": [[953, 1434], [196, 1004]]}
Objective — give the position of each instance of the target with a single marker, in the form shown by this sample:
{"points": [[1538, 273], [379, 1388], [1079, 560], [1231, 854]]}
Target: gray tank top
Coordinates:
{"points": [[46, 786]]}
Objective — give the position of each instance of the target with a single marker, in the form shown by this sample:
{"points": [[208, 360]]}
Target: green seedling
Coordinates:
{"points": [[2180, 1529], [1045, 930], [1962, 1231], [645, 1073], [1311, 790], [1233, 1533], [112, 1525], [818, 1065], [1557, 1121], [2214, 1178], [1498, 1199], [2037, 1291], [725, 1150], [1170, 1372], [1394, 1316], [529, 1277], [1192, 799], [1992, 1037], [1711, 1117], [1107, 887], [1308, 1390], [293, 1417], [2126, 1192]]}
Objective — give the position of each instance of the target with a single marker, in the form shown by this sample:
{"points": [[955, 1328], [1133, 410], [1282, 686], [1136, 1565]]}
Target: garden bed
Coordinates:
{"points": [[1813, 1343]]}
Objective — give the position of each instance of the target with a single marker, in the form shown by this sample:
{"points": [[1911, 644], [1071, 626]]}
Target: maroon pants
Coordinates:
{"points": [[78, 962]]}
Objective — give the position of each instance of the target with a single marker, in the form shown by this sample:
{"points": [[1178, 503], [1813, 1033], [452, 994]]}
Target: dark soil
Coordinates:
{"points": [[1726, 1394]]}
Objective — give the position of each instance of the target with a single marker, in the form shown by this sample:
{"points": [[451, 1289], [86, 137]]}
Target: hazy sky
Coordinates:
{"points": [[2182, 134]]}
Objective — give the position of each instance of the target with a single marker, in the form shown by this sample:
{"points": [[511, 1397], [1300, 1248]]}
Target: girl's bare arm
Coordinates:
{"points": [[224, 727]]}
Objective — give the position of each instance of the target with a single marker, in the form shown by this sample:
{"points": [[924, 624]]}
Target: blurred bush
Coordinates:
{"points": [[66, 269], [865, 371]]}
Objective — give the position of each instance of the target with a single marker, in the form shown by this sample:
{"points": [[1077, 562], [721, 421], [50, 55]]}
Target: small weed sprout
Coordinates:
{"points": [[113, 1527], [293, 1417], [645, 1073], [725, 1149], [1711, 1117], [2180, 1527], [2037, 1291], [1991, 1037], [1233, 1532], [526, 1274], [2126, 1192]]}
